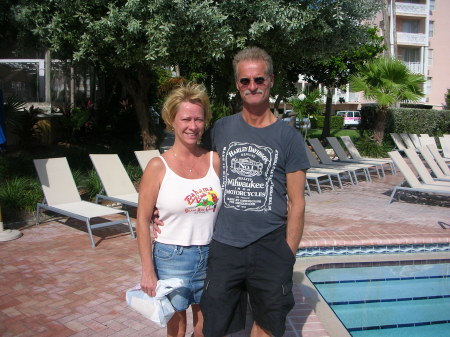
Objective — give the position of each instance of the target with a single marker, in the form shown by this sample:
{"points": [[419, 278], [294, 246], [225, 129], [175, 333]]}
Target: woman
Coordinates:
{"points": [[184, 185]]}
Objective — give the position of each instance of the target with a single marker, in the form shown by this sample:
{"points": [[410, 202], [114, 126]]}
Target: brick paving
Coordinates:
{"points": [[54, 284]]}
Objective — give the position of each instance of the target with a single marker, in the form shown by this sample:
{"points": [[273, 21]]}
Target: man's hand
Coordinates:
{"points": [[156, 223]]}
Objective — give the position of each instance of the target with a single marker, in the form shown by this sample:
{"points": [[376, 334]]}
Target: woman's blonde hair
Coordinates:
{"points": [[191, 92]]}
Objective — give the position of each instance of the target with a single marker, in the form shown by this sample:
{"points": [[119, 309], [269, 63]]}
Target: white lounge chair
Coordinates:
{"points": [[325, 159], [445, 145], [356, 155], [398, 142], [414, 184], [308, 189], [329, 169], [343, 156], [144, 157], [431, 162], [317, 177], [439, 159], [61, 196], [115, 180], [415, 140], [421, 169], [407, 140], [427, 140]]}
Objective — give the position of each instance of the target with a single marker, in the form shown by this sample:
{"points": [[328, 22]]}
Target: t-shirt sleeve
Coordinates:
{"points": [[208, 139], [296, 158]]}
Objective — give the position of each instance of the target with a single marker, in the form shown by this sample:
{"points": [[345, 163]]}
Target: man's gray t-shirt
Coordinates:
{"points": [[254, 164]]}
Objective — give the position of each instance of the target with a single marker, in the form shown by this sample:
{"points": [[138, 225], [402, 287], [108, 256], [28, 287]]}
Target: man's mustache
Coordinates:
{"points": [[249, 92]]}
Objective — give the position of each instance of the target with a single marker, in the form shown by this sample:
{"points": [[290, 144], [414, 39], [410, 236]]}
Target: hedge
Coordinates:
{"points": [[337, 122], [409, 120]]}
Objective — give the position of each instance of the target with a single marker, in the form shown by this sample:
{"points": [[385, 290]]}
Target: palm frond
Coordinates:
{"points": [[388, 81]]}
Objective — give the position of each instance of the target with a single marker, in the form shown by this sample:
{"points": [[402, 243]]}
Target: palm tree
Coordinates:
{"points": [[388, 81]]}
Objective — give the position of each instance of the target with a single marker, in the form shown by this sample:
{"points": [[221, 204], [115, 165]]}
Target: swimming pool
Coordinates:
{"points": [[402, 298]]}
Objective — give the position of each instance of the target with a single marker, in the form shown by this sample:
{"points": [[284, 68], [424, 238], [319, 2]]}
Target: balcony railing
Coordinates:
{"points": [[414, 67], [411, 39], [402, 8], [347, 97]]}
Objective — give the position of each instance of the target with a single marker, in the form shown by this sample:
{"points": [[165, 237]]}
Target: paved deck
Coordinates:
{"points": [[54, 284]]}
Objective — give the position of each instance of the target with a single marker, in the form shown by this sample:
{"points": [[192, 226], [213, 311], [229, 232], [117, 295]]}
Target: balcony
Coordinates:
{"points": [[412, 39], [414, 67], [402, 8]]}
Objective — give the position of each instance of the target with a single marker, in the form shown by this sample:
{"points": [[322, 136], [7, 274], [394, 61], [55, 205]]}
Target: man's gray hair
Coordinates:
{"points": [[255, 54]]}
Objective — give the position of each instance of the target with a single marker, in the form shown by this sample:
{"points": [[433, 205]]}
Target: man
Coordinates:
{"points": [[258, 229]]}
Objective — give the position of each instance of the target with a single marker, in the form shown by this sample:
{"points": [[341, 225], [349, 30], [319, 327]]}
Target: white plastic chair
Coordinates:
{"points": [[61, 196], [115, 180], [414, 184], [145, 156]]}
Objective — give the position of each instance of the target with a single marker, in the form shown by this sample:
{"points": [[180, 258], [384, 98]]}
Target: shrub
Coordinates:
{"points": [[309, 105], [434, 122], [336, 122], [218, 111], [91, 185], [19, 194], [21, 121], [134, 172], [369, 148], [408, 120]]}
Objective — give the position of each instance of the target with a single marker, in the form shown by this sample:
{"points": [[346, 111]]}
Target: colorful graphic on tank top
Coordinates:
{"points": [[203, 200]]}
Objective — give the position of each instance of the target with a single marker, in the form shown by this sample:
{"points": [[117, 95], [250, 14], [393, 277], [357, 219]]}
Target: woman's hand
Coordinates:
{"points": [[148, 283]]}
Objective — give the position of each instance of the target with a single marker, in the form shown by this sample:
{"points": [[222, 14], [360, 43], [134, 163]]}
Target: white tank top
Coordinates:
{"points": [[188, 207]]}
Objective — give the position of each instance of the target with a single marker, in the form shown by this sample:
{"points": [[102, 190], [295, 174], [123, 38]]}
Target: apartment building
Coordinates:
{"points": [[419, 35]]}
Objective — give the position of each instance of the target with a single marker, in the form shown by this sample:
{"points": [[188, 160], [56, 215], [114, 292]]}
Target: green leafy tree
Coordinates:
{"points": [[308, 103], [334, 71], [133, 38], [387, 81]]}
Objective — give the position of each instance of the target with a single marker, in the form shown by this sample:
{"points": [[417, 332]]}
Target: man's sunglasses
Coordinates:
{"points": [[246, 81]]}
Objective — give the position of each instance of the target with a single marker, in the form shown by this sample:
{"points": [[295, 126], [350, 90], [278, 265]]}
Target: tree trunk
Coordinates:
{"points": [[137, 83], [72, 85], [378, 132], [149, 139], [276, 105], [327, 120], [48, 76]]}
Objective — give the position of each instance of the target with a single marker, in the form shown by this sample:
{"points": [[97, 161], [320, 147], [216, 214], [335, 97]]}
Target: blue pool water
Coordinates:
{"points": [[409, 298]]}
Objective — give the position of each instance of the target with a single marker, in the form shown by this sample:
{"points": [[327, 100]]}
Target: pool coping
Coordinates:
{"points": [[372, 249], [324, 313]]}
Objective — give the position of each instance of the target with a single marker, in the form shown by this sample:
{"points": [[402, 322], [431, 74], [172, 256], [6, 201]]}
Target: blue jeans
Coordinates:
{"points": [[187, 263]]}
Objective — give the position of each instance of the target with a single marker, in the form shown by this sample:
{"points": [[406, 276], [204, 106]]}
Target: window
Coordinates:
{"points": [[432, 5], [411, 55], [428, 84], [430, 57], [411, 26], [431, 29]]}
